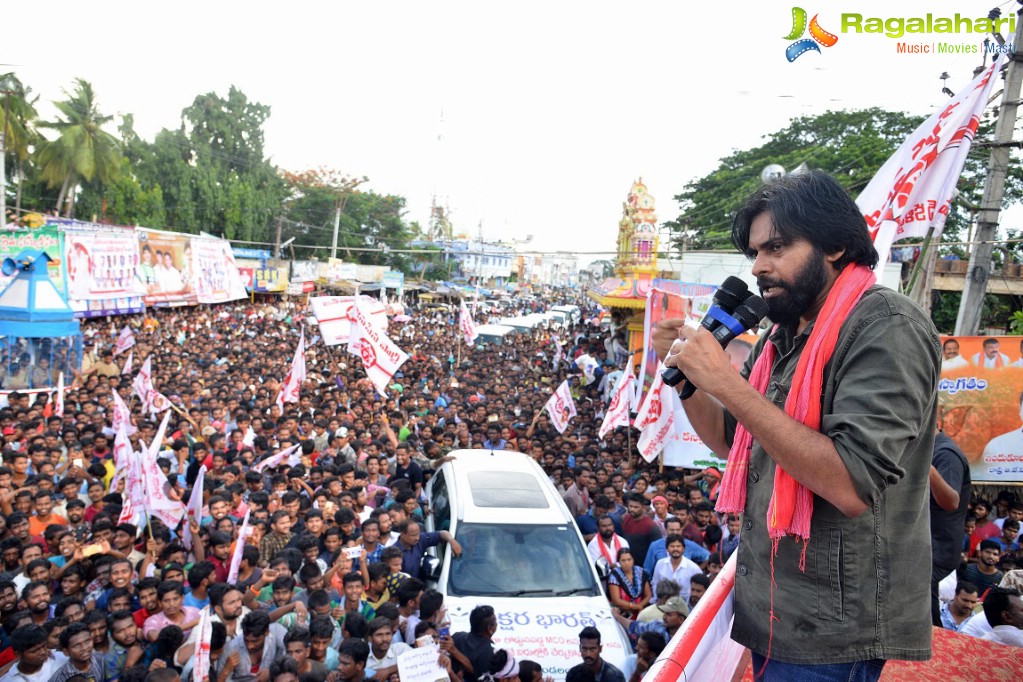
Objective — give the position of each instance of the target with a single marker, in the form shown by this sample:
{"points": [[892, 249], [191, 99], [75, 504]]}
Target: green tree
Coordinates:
{"points": [[17, 120], [82, 150], [851, 145]]}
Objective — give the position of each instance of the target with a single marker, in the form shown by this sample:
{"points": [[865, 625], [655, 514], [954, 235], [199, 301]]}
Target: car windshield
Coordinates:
{"points": [[511, 560]]}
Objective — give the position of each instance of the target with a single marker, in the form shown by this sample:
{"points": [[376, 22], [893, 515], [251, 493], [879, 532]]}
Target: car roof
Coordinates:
{"points": [[501, 486]]}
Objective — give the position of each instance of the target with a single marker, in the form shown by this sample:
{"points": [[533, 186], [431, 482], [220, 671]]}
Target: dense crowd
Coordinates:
{"points": [[329, 584]]}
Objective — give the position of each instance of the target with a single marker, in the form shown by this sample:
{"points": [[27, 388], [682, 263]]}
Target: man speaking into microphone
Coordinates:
{"points": [[828, 431]]}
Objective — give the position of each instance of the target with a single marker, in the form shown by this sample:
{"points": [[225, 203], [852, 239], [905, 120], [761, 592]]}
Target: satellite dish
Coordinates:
{"points": [[9, 267], [772, 173]]}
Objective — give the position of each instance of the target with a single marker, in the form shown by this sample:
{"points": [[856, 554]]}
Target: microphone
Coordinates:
{"points": [[747, 315], [732, 292]]}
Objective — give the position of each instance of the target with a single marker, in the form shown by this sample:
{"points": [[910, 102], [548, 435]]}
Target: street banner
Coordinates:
{"points": [[334, 315], [561, 407], [912, 191], [166, 268], [101, 264], [980, 398], [46, 239], [381, 357], [218, 278]]}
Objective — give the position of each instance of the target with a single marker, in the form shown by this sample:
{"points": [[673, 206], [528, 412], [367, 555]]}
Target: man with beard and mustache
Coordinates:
{"points": [[226, 602], [125, 647], [605, 544], [36, 596], [828, 430]]}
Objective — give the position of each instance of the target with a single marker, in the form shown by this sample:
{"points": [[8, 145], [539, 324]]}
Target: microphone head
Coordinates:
{"points": [[731, 293], [751, 312]]}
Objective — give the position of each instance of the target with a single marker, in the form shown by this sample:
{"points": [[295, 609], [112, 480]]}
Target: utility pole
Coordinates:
{"points": [[277, 244], [337, 226], [979, 271]]}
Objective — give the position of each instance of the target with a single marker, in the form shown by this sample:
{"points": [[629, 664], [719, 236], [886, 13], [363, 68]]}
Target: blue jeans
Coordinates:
{"points": [[776, 671]]}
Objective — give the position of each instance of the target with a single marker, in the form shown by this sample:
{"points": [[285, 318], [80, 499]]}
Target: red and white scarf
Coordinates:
{"points": [[791, 506], [616, 545]]}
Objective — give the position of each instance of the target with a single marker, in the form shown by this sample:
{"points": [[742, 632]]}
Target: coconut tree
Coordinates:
{"points": [[17, 116], [82, 149]]}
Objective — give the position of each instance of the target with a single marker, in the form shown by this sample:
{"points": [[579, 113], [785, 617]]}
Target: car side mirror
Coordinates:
{"points": [[602, 570]]}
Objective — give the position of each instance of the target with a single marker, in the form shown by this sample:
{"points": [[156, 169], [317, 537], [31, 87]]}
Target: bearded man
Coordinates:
{"points": [[828, 430]]}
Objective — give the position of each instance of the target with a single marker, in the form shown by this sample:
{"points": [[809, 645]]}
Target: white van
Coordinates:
{"points": [[521, 554], [572, 311], [497, 334], [525, 324]]}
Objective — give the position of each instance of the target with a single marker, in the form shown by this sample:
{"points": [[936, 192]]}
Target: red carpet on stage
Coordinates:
{"points": [[957, 658]]}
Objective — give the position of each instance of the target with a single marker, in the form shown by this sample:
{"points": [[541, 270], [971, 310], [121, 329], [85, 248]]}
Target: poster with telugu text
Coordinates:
{"points": [[46, 239], [980, 397], [101, 264]]}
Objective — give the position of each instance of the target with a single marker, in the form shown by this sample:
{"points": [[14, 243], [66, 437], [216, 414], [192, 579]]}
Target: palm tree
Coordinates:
{"points": [[82, 150], [17, 114]]}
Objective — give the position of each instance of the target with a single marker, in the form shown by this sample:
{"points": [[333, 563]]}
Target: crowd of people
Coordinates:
{"points": [[328, 580], [328, 583]]}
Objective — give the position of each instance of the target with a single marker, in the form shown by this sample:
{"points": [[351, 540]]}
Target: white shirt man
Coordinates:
{"points": [[675, 567], [994, 361]]}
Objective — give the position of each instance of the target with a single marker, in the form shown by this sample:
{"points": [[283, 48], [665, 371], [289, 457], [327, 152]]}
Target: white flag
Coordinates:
{"points": [[239, 546], [655, 419], [249, 439], [588, 365], [913, 189], [466, 324], [142, 385], [126, 370], [125, 340], [157, 503], [381, 357], [561, 407], [292, 454], [129, 466], [58, 401], [621, 398], [193, 511], [201, 664], [296, 375], [120, 415]]}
